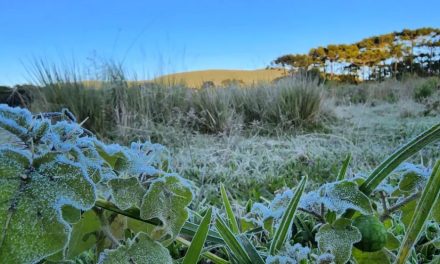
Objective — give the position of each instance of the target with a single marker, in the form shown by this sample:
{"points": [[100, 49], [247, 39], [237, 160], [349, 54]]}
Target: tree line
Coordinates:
{"points": [[375, 58]]}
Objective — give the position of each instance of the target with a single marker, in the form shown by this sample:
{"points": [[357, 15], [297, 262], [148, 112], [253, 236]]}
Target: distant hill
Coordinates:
{"points": [[219, 77]]}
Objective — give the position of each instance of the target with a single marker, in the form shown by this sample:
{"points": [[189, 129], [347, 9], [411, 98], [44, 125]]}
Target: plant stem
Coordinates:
{"points": [[399, 205]]}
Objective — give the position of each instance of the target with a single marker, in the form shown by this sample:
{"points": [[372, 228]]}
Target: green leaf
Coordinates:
{"points": [[232, 242], [252, 252], [287, 219], [410, 180], [167, 199], [83, 235], [194, 250], [140, 249], [403, 153], [408, 212], [344, 195], [126, 192], [231, 217], [338, 239], [378, 257], [435, 213], [32, 225], [118, 160], [424, 206], [343, 171], [392, 242], [70, 214]]}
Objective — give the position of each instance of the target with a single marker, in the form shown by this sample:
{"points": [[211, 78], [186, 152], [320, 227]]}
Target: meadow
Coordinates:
{"points": [[261, 141]]}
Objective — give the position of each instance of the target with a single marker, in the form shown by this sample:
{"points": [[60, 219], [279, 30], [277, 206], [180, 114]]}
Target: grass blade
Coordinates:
{"points": [[343, 170], [250, 249], [403, 153], [231, 217], [194, 250], [423, 209], [232, 243], [287, 219]]}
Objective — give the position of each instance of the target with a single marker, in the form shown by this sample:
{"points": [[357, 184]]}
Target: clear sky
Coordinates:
{"points": [[163, 36]]}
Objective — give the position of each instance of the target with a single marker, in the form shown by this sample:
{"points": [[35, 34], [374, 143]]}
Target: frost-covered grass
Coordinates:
{"points": [[254, 166]]}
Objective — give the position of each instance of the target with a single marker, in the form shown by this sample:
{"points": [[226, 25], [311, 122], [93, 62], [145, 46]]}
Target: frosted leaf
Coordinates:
{"points": [[342, 195], [139, 250], [276, 207], [291, 254], [280, 260], [297, 251], [83, 235], [114, 155], [63, 136], [126, 193], [311, 201], [15, 120], [325, 258], [30, 212], [338, 239], [166, 199], [412, 177]]}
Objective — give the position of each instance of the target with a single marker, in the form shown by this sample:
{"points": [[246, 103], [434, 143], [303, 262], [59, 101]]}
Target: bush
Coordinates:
{"points": [[425, 90]]}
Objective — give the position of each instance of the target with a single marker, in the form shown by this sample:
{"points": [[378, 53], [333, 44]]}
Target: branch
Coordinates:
{"points": [[316, 215], [397, 206]]}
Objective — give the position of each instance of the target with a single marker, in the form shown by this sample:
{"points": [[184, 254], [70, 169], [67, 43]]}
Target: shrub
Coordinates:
{"points": [[425, 89]]}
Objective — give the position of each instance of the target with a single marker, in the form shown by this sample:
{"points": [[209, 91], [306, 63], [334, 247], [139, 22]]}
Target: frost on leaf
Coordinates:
{"points": [[15, 120], [413, 177], [126, 193], [166, 200], [343, 195], [290, 255], [32, 226], [139, 250], [338, 239]]}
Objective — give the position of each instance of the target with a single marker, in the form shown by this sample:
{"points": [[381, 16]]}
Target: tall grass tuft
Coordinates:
{"points": [[115, 106]]}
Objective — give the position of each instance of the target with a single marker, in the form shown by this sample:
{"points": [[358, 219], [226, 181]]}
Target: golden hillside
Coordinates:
{"points": [[197, 78]]}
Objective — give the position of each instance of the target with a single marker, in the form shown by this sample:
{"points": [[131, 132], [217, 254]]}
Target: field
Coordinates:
{"points": [[221, 77], [260, 141]]}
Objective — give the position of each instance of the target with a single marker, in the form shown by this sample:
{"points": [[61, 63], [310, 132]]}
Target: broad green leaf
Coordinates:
{"points": [[392, 242], [167, 199], [378, 257], [408, 212], [126, 192], [32, 225], [343, 195], [232, 242], [410, 181], [231, 217], [285, 224], [117, 159], [338, 239], [424, 206], [194, 250], [70, 214], [343, 171], [140, 249], [83, 235]]}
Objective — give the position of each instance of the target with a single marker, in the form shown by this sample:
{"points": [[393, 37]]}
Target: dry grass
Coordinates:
{"points": [[218, 77]]}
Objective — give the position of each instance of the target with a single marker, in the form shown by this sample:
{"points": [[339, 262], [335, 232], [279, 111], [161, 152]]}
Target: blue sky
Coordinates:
{"points": [[157, 37]]}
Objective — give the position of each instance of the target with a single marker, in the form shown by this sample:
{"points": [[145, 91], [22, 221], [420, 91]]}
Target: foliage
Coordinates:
{"points": [[387, 55], [115, 204]]}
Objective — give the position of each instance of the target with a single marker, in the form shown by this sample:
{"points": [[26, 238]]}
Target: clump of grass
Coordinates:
{"points": [[425, 89], [115, 105]]}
